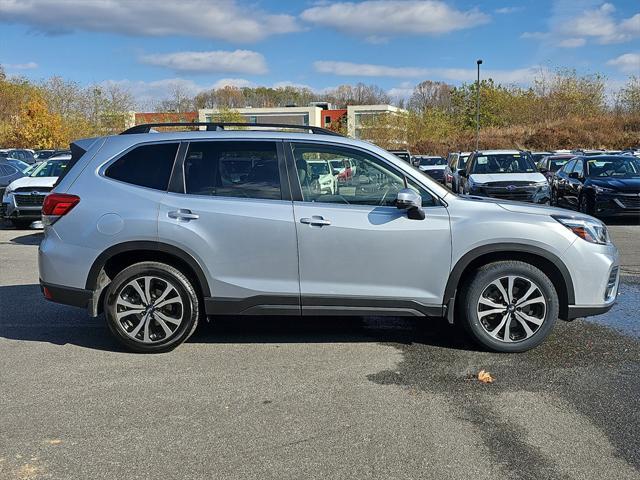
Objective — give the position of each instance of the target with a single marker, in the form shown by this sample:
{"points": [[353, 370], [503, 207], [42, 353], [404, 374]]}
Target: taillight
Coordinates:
{"points": [[57, 205]]}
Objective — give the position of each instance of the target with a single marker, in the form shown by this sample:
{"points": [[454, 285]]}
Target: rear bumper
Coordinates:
{"points": [[76, 297]]}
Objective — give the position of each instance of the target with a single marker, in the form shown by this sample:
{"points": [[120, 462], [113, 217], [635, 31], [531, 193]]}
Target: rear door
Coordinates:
{"points": [[358, 252], [229, 206], [561, 182], [574, 185]]}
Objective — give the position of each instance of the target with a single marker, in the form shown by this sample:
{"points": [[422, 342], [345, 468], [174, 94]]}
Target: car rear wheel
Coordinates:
{"points": [[509, 306], [151, 307]]}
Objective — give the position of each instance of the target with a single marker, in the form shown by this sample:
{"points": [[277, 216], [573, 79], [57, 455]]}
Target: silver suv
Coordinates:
{"points": [[159, 230]]}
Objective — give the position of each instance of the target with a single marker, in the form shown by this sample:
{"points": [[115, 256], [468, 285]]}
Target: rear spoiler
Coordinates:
{"points": [[78, 149]]}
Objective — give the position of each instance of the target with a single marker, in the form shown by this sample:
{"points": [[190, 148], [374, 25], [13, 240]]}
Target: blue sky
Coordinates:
{"points": [[150, 45]]}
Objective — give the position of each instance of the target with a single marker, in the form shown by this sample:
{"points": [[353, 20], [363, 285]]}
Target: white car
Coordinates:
{"points": [[432, 165], [22, 200], [322, 171]]}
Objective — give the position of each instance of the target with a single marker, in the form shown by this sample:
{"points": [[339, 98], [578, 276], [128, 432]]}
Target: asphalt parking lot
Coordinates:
{"points": [[315, 398]]}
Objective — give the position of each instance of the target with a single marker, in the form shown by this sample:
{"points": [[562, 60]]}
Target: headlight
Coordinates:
{"points": [[591, 230], [599, 189]]}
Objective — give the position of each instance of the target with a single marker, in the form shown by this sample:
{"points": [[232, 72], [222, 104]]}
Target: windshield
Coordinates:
{"points": [[338, 165], [555, 165], [50, 168], [614, 167], [432, 161], [319, 168], [503, 163]]}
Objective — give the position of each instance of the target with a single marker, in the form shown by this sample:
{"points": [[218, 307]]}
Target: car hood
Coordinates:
{"points": [[507, 177], [33, 182], [520, 207], [622, 184]]}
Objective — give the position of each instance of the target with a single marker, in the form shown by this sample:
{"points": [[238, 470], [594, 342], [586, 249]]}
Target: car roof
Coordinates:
{"points": [[498, 152]]}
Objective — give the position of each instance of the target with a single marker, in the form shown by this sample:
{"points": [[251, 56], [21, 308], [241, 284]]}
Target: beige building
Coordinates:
{"points": [[359, 114]]}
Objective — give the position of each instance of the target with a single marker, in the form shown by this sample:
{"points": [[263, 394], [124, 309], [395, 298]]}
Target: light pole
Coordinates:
{"points": [[478, 62]]}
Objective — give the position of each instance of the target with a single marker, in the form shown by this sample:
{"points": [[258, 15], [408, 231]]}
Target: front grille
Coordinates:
{"points": [[33, 189], [629, 201], [435, 174], [29, 200], [611, 284], [521, 194]]}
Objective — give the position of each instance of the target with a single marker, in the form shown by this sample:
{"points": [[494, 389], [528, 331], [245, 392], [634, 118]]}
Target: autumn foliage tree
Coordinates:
{"points": [[36, 127]]}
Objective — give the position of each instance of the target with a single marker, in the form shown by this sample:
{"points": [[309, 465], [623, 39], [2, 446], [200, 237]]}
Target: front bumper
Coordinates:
{"points": [[580, 312], [529, 194], [23, 207], [614, 205]]}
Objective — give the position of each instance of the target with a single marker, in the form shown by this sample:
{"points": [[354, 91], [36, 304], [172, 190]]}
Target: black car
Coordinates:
{"points": [[456, 162], [603, 185], [549, 165]]}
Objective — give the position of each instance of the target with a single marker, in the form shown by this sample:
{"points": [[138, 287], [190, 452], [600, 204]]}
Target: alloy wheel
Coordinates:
{"points": [[511, 308], [149, 309]]}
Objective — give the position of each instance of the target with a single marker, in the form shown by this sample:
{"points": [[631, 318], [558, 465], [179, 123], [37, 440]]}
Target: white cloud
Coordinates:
{"points": [[507, 10], [572, 42], [367, 70], [20, 66], [220, 19], [572, 25], [516, 76], [380, 19], [217, 61], [627, 63], [232, 82]]}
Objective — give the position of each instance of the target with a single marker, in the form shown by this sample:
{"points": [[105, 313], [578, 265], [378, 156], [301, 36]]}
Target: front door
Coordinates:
{"points": [[234, 215], [358, 252]]}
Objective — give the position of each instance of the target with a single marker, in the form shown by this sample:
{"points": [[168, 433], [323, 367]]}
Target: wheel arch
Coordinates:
{"points": [[546, 261], [119, 256]]}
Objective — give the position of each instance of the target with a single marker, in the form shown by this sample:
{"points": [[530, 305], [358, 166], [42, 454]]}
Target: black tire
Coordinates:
{"points": [[21, 223], [585, 205], [474, 287], [183, 289]]}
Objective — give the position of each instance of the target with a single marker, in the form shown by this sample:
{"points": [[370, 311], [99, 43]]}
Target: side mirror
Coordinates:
{"points": [[410, 201], [463, 173]]}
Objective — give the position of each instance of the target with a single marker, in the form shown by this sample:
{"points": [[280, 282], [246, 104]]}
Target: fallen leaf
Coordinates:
{"points": [[485, 377], [55, 441]]}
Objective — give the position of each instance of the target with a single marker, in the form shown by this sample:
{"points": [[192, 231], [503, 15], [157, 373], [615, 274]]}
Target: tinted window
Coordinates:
{"points": [[432, 161], [365, 181], [4, 172], [233, 169], [578, 168], [568, 167], [462, 162], [555, 165], [147, 166]]}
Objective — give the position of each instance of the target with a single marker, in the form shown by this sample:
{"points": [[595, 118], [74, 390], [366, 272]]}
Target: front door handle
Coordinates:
{"points": [[183, 214], [316, 220]]}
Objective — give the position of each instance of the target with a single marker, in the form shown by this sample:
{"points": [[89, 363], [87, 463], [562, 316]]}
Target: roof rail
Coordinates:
{"points": [[218, 126]]}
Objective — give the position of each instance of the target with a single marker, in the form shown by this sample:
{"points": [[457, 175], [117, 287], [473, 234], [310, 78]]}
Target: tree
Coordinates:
{"points": [[627, 99], [430, 94], [37, 127]]}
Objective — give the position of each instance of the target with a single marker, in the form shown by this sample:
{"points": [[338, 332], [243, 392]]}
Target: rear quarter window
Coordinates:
{"points": [[146, 166]]}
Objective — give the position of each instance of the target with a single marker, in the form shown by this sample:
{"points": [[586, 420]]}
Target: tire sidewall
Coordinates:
{"points": [[184, 289], [483, 278]]}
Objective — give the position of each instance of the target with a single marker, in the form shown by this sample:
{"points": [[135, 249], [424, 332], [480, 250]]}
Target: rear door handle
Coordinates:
{"points": [[316, 220], [183, 214]]}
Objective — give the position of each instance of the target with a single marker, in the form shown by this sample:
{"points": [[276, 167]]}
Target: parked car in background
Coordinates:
{"points": [[456, 163], [432, 165], [550, 164], [144, 228], [8, 173], [603, 186], [505, 174], [321, 176], [23, 198], [26, 155], [19, 164], [402, 154], [537, 156]]}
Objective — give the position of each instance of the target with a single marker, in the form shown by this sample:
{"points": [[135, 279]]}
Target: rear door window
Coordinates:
{"points": [[233, 169], [147, 165]]}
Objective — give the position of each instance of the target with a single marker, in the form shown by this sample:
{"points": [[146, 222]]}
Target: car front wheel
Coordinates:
{"points": [[151, 307], [509, 306]]}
